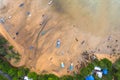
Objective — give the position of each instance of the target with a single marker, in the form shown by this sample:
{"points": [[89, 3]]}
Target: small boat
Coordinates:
{"points": [[50, 2]]}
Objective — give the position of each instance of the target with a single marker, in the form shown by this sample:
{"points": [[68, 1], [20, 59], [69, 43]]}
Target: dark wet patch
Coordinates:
{"points": [[82, 42], [76, 39], [17, 33], [58, 7]]}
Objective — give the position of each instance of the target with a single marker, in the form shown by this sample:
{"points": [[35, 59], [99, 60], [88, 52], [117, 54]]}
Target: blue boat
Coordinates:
{"points": [[105, 71], [90, 77]]}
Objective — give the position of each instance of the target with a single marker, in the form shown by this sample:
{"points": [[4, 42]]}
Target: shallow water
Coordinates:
{"points": [[3, 4], [98, 17]]}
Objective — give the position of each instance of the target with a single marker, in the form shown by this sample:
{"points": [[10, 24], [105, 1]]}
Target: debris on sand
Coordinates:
{"points": [[9, 17], [82, 42], [13, 37], [51, 59], [17, 33], [44, 71], [31, 47], [86, 55], [62, 53], [109, 38], [98, 50], [44, 21], [116, 40], [76, 39], [93, 57], [43, 33], [2, 20], [28, 13], [21, 5], [55, 70]]}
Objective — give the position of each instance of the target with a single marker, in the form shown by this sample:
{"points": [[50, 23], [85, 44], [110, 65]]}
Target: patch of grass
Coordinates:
{"points": [[7, 51], [11, 47], [3, 78]]}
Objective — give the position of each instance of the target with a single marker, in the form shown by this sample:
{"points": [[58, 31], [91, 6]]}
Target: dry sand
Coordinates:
{"points": [[81, 25]]}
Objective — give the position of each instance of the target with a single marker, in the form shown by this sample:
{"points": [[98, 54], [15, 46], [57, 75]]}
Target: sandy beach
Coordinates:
{"points": [[34, 26]]}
